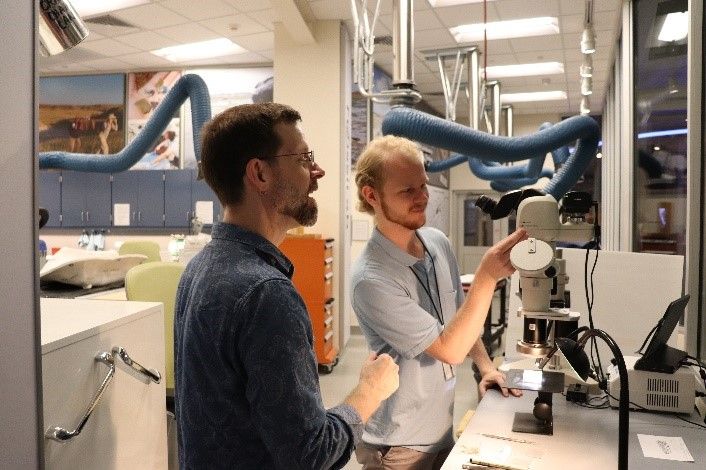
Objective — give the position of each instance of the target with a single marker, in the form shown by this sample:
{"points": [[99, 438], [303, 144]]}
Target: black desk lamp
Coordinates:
{"points": [[574, 353]]}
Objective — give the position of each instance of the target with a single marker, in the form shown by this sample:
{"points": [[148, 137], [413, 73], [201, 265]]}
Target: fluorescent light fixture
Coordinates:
{"points": [[525, 70], [675, 27], [534, 96], [588, 40], [86, 8], [451, 3], [540, 26], [199, 50], [667, 133]]}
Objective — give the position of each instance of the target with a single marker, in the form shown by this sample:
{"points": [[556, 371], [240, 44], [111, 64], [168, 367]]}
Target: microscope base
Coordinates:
{"points": [[528, 423]]}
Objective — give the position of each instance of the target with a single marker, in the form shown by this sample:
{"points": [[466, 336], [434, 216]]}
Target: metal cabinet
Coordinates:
{"points": [[177, 198], [85, 199], [144, 192], [50, 196]]}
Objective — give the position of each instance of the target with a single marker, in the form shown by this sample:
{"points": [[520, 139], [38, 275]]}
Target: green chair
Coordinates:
{"points": [[158, 282], [141, 247]]}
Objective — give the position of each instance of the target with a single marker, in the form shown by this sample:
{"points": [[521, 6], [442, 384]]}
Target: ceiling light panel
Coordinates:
{"points": [[526, 27], [507, 98], [675, 27], [199, 50]]}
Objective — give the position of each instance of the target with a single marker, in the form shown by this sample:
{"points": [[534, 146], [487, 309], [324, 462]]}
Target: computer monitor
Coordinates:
{"points": [[659, 357]]}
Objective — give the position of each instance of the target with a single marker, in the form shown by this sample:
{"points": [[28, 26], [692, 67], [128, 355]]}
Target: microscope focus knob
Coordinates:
{"points": [[550, 271], [532, 255]]}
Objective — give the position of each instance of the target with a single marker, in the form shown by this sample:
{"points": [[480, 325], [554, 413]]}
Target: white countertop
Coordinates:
{"points": [[65, 321]]}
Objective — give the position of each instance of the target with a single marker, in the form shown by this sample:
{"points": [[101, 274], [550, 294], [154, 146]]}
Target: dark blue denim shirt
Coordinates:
{"points": [[247, 387]]}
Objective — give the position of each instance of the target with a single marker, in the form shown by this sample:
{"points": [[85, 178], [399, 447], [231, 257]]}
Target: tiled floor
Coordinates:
{"points": [[336, 385]]}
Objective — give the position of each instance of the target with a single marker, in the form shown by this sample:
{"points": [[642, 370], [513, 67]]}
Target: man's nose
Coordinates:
{"points": [[316, 171]]}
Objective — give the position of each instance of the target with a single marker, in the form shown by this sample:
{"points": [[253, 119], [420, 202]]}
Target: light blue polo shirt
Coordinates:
{"points": [[396, 315]]}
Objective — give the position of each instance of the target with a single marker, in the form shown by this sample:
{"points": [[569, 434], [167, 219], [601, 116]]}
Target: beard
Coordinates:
{"points": [[300, 207], [402, 219]]}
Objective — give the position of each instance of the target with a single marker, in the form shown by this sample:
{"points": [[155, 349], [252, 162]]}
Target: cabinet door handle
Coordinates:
{"points": [[139, 216], [82, 216], [60, 434], [151, 374], [87, 216]]}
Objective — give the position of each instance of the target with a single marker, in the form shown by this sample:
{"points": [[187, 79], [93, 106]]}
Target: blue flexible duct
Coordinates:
{"points": [[189, 86], [440, 133], [560, 155]]}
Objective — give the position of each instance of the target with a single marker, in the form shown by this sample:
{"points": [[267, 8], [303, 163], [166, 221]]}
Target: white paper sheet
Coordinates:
{"points": [[121, 214], [664, 447], [204, 211]]}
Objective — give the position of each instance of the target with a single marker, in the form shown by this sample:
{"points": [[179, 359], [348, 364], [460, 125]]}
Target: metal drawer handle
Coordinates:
{"points": [[60, 434], [151, 374], [328, 260], [328, 276]]}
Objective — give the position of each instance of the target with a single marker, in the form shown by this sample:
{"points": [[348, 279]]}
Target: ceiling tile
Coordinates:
{"points": [[269, 55], [199, 10], [150, 16], [514, 9], [247, 58], [538, 43], [432, 38], [234, 25], [108, 64], [145, 59], [145, 40], [464, 14], [571, 24], [572, 7], [188, 33], [266, 17], [93, 34], [106, 31], [250, 5], [540, 56], [495, 47], [257, 42], [108, 47]]}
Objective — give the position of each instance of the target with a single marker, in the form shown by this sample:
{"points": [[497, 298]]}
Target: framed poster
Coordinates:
{"points": [[145, 92], [228, 88], [82, 114]]}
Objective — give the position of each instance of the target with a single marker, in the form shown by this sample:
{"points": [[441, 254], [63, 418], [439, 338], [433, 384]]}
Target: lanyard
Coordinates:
{"points": [[427, 289]]}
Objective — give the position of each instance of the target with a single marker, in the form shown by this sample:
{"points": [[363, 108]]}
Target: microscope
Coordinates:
{"points": [[545, 302]]}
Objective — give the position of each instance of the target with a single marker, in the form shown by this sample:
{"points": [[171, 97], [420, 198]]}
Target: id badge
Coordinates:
{"points": [[449, 371]]}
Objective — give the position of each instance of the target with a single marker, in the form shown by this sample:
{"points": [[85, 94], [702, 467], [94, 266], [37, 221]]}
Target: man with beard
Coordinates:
{"points": [[247, 392], [409, 301]]}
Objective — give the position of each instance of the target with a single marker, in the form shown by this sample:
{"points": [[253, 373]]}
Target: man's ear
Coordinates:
{"points": [[371, 195], [258, 174]]}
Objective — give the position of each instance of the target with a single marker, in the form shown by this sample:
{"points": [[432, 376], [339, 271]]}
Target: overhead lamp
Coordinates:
{"points": [[540, 26], [88, 8], [585, 107], [586, 68], [451, 3], [507, 98], [525, 70], [675, 27], [588, 40], [573, 351], [199, 50], [60, 27], [586, 86]]}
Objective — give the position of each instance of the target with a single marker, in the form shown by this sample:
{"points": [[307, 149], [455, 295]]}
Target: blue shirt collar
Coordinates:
{"points": [[263, 247], [395, 252]]}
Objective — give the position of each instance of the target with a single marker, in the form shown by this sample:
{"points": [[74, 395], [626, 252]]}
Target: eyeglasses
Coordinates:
{"points": [[307, 157]]}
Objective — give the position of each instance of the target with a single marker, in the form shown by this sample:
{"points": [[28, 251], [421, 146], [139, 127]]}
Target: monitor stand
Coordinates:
{"points": [[666, 360]]}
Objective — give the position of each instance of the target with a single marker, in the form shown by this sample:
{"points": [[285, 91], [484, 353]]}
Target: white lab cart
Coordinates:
{"points": [[82, 341]]}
